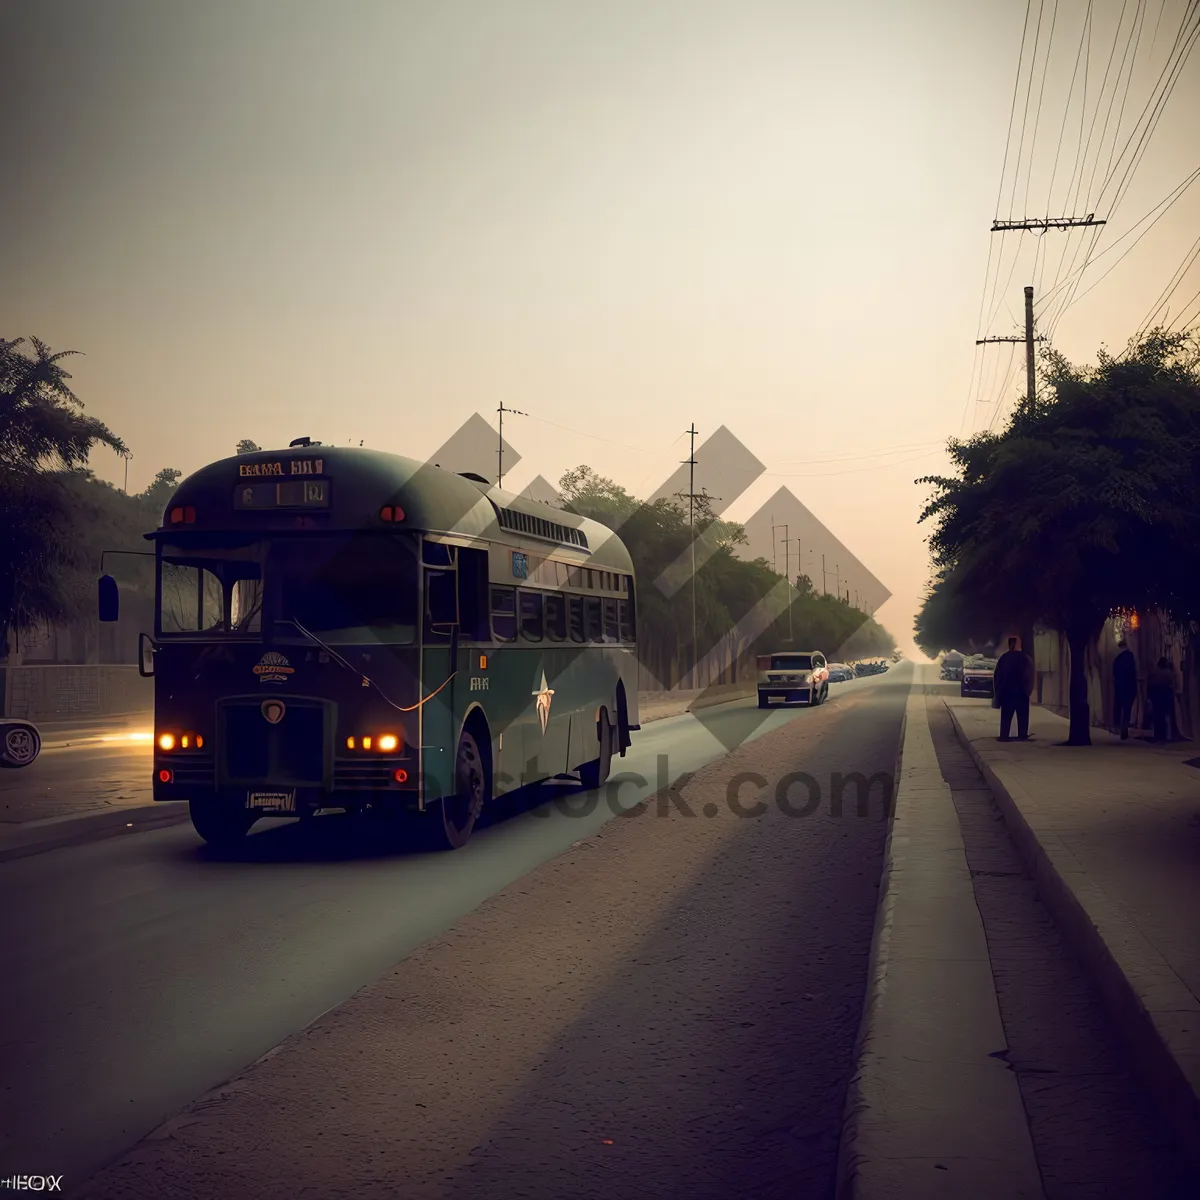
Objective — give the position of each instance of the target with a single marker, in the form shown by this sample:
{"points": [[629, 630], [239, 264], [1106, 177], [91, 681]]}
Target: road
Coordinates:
{"points": [[145, 970]]}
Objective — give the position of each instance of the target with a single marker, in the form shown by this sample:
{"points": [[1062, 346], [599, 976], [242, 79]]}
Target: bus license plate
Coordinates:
{"points": [[275, 801]]}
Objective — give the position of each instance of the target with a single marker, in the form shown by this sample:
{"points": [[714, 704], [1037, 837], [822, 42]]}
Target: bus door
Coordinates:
{"points": [[440, 628]]}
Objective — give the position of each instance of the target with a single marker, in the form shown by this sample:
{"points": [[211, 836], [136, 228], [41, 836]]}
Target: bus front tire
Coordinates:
{"points": [[453, 820], [595, 773], [219, 822]]}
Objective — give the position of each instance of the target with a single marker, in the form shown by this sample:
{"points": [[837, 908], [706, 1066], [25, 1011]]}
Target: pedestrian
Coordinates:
{"points": [[1124, 689], [1160, 690], [1013, 685]]}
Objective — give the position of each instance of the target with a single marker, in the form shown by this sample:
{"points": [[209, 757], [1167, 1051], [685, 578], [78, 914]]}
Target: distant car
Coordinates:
{"points": [[792, 678], [840, 673], [20, 743], [979, 677], [952, 667]]}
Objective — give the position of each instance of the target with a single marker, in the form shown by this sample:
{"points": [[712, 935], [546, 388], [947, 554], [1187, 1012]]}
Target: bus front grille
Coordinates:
{"points": [[291, 752]]}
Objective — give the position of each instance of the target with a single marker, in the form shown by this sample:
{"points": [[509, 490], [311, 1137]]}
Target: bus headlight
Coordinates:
{"points": [[388, 742], [166, 741]]}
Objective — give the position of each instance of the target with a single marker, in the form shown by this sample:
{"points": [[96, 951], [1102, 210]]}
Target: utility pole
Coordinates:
{"points": [[824, 578], [1042, 225], [500, 446], [787, 573], [1029, 339], [691, 464], [126, 488]]}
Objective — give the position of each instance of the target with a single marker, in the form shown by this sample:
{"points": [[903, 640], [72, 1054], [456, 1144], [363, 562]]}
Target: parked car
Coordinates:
{"points": [[20, 743], [840, 673], [952, 667], [792, 678], [979, 677]]}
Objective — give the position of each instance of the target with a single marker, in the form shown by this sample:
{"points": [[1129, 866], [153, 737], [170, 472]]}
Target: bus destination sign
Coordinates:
{"points": [[299, 493], [301, 466]]}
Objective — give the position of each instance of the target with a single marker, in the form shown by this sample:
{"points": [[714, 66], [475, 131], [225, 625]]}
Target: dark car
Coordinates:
{"points": [[979, 677], [840, 673], [20, 743]]}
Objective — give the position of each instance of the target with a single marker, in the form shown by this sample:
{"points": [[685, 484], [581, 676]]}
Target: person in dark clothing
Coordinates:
{"points": [[1124, 689], [1160, 690], [1013, 685]]}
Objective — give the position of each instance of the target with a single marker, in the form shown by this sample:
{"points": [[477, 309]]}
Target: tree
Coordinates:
{"points": [[246, 446], [1085, 502], [158, 495], [727, 587], [44, 438]]}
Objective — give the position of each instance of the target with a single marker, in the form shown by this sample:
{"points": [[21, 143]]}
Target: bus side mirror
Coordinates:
{"points": [[110, 599], [146, 651]]}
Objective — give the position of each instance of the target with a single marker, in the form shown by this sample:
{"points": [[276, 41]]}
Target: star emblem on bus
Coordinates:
{"points": [[543, 695]]}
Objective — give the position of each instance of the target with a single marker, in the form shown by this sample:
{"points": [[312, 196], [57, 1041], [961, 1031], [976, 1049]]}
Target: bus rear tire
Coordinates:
{"points": [[453, 818], [595, 773], [220, 823]]}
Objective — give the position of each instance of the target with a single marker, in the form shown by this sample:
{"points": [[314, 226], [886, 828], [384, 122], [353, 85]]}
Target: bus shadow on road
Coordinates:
{"points": [[338, 837]]}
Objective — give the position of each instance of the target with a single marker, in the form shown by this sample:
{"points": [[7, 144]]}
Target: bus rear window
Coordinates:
{"points": [[504, 614], [791, 662], [532, 618], [556, 618]]}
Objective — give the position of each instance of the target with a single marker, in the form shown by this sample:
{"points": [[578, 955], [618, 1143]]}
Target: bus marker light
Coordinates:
{"points": [[199, 742], [183, 741], [189, 515], [349, 743], [165, 776], [400, 775], [366, 743], [166, 741], [388, 742], [483, 662], [177, 516]]}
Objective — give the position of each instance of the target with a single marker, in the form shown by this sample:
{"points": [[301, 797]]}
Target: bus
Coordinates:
{"points": [[344, 629]]}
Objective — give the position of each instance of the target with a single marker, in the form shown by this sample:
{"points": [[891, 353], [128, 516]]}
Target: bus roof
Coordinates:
{"points": [[363, 482]]}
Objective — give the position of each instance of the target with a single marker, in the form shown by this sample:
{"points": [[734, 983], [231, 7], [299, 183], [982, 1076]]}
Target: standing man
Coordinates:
{"points": [[1124, 688], [1013, 685]]}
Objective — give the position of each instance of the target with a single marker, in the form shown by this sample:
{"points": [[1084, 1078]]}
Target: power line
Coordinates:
{"points": [[1167, 292], [1041, 96]]}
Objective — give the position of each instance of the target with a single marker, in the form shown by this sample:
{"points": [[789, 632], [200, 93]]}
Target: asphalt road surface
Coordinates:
{"points": [[143, 971]]}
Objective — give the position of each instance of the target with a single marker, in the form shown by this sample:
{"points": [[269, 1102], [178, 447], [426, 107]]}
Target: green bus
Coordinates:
{"points": [[352, 630]]}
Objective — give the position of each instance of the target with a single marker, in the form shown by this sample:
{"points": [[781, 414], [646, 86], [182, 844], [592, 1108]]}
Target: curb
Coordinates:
{"points": [[1163, 1075], [37, 837], [932, 1108]]}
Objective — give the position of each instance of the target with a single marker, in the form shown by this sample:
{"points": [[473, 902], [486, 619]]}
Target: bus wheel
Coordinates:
{"points": [[220, 823], [595, 774], [20, 744], [454, 821]]}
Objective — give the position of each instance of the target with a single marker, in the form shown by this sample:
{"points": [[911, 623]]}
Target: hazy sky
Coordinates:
{"points": [[367, 219]]}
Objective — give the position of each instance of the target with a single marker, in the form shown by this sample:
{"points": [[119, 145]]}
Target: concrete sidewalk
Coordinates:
{"points": [[1111, 833]]}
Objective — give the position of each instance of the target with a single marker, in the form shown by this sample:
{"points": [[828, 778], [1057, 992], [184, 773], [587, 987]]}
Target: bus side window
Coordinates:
{"points": [[504, 614], [556, 617], [532, 619], [593, 619], [575, 605], [611, 629], [625, 610]]}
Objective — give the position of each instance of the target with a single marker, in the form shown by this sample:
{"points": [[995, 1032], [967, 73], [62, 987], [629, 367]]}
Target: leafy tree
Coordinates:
{"points": [[158, 495], [44, 438], [1085, 502], [727, 587]]}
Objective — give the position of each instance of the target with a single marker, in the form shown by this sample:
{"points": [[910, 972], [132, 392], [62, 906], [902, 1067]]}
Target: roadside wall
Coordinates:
{"points": [[47, 692], [1152, 638]]}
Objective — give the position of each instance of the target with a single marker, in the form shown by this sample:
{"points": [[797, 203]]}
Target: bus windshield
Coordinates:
{"points": [[345, 591]]}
